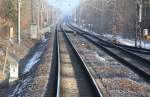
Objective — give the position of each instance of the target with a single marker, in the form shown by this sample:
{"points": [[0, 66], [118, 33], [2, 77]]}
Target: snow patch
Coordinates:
{"points": [[109, 36], [129, 42], [147, 45], [20, 87], [32, 62], [121, 40], [44, 40], [100, 58]]}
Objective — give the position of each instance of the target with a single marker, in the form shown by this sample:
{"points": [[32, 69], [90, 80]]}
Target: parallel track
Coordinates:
{"points": [[130, 48], [141, 53], [137, 63], [72, 77]]}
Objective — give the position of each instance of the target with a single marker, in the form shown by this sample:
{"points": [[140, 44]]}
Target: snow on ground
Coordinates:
{"points": [[126, 42], [35, 59], [121, 40], [129, 42], [21, 86], [32, 61], [113, 78], [147, 45], [100, 58], [109, 36], [25, 82], [84, 29]]}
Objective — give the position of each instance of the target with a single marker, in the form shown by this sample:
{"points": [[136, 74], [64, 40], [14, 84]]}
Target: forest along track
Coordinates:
{"points": [[74, 82]]}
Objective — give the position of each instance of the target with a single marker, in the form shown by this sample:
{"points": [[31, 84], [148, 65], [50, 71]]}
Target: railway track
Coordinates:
{"points": [[130, 48], [72, 77], [137, 63], [141, 53], [135, 49], [107, 71]]}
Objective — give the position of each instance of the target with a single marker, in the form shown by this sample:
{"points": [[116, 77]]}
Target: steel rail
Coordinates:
{"points": [[134, 49], [85, 68], [145, 74], [58, 63], [53, 86], [105, 43]]}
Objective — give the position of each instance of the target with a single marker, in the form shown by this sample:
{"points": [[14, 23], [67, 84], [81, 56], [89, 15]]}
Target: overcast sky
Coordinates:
{"points": [[64, 6]]}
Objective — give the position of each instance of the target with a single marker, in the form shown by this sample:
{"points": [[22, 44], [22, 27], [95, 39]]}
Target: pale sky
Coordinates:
{"points": [[64, 6]]}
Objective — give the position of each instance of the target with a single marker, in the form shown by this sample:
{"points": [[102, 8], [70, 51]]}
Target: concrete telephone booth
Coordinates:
{"points": [[11, 31], [14, 70], [33, 32], [146, 34]]}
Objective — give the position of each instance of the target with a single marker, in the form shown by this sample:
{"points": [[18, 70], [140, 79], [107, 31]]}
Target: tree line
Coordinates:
{"points": [[8, 12]]}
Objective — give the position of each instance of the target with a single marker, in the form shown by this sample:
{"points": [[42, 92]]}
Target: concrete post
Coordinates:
{"points": [[38, 16], [6, 54], [19, 38]]}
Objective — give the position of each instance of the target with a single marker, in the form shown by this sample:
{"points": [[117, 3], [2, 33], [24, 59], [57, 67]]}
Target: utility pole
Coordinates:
{"points": [[80, 15], [19, 38], [38, 16], [115, 18], [6, 54], [32, 13], [41, 13], [139, 23], [75, 17], [47, 15]]}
